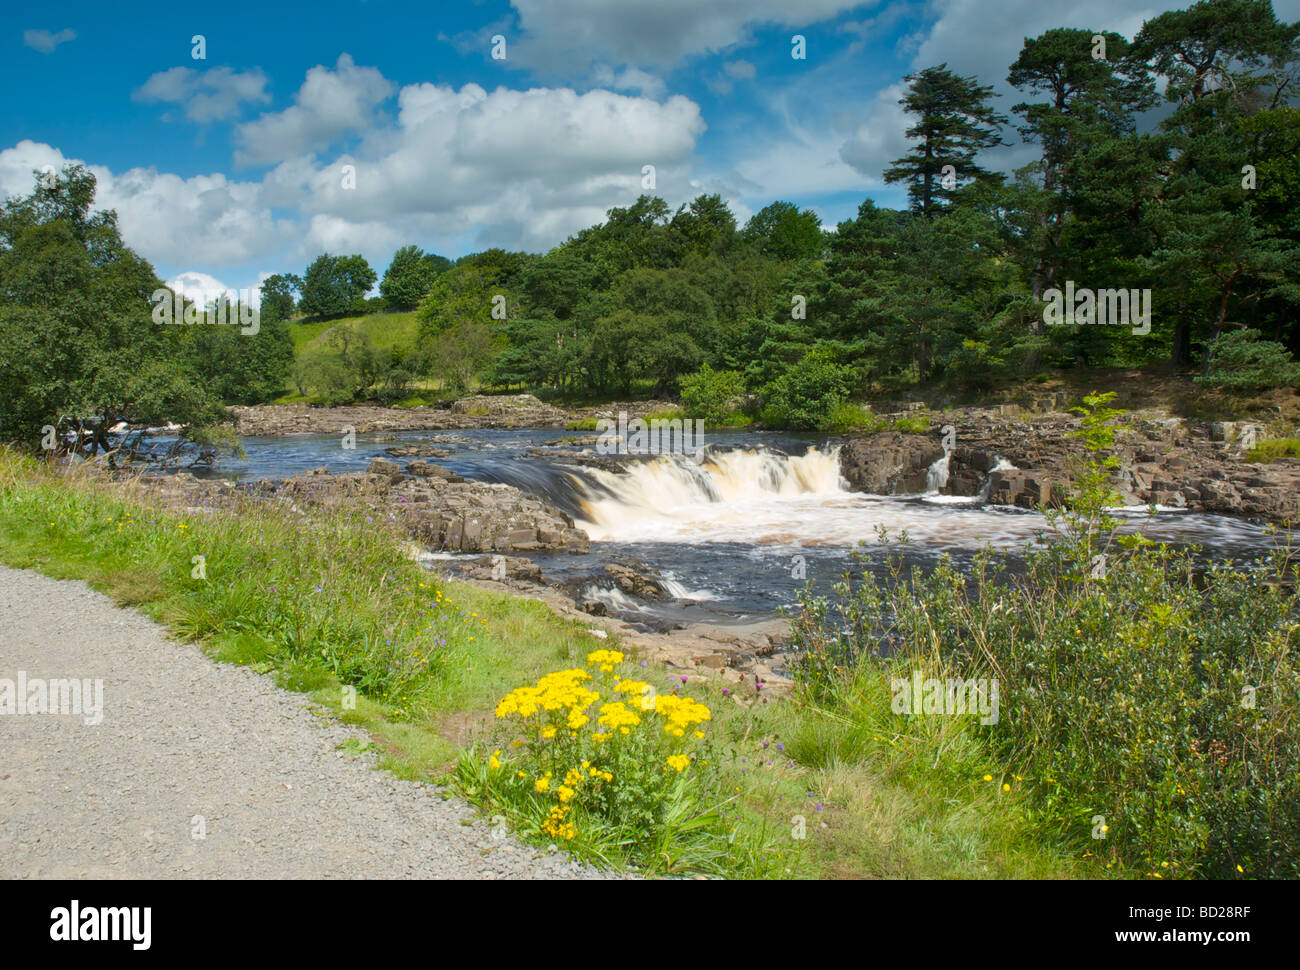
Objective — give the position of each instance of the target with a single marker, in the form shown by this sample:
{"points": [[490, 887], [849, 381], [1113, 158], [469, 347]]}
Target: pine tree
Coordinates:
{"points": [[954, 122]]}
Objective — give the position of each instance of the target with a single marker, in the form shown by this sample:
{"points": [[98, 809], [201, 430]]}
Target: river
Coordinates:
{"points": [[738, 535]]}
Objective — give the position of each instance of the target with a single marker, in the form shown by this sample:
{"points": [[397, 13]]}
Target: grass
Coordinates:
{"points": [[326, 603], [1273, 449], [385, 330]]}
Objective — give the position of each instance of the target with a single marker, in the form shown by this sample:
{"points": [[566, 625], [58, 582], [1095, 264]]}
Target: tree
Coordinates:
{"points": [[1090, 102], [1213, 46], [706, 225], [781, 231], [1208, 240], [463, 293], [1240, 361], [954, 122], [409, 277], [81, 350], [335, 286], [277, 292]]}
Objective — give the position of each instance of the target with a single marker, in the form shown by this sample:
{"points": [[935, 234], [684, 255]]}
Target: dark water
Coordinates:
{"points": [[737, 538]]}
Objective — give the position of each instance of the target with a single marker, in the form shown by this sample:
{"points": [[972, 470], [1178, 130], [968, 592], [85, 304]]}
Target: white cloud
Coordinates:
{"points": [[559, 33], [211, 95], [517, 168], [204, 220], [45, 42], [879, 139], [629, 79], [740, 70], [329, 105], [521, 168]]}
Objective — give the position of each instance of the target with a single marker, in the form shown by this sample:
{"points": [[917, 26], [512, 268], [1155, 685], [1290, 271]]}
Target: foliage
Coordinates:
{"points": [[335, 285], [1241, 361], [807, 395], [81, 350], [1147, 707], [409, 277], [712, 395]]}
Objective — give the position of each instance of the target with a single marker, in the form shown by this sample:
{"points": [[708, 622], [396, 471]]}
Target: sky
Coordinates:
{"points": [[350, 126]]}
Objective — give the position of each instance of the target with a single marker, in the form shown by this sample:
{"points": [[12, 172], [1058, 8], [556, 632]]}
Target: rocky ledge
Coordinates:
{"points": [[1026, 460], [433, 505], [481, 411]]}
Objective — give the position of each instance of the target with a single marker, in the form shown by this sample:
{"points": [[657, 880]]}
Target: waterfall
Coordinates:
{"points": [[1000, 465], [655, 488], [936, 476]]}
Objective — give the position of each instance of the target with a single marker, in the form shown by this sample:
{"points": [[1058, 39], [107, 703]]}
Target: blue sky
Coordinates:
{"points": [[231, 167]]}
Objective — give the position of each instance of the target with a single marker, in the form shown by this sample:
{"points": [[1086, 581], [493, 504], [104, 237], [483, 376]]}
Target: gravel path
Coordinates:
{"points": [[182, 736]]}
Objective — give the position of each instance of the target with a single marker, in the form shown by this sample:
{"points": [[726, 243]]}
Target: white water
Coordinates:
{"points": [[778, 504], [765, 498], [936, 476]]}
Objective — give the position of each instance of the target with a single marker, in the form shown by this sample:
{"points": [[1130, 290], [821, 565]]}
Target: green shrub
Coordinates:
{"points": [[855, 417], [916, 425], [712, 394], [1241, 361], [805, 397]]}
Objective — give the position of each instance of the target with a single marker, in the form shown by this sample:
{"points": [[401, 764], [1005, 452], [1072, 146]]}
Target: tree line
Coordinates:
{"points": [[1201, 209]]}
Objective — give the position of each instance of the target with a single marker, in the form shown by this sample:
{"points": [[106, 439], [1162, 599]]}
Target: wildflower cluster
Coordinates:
{"points": [[592, 750]]}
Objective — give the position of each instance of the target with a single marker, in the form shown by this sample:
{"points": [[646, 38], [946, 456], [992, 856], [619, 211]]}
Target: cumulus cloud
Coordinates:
{"points": [[212, 95], [206, 219], [879, 139], [45, 42], [329, 105], [523, 168]]}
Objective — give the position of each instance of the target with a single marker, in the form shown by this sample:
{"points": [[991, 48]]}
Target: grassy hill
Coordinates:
{"points": [[385, 330]]}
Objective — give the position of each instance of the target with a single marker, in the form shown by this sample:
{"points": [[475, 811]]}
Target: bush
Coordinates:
{"points": [[805, 397], [855, 417], [712, 394], [917, 425], [1241, 361]]}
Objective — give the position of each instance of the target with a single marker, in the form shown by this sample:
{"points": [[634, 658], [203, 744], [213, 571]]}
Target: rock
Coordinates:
{"points": [[889, 463], [382, 466], [594, 607], [424, 469], [637, 580], [417, 451]]}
